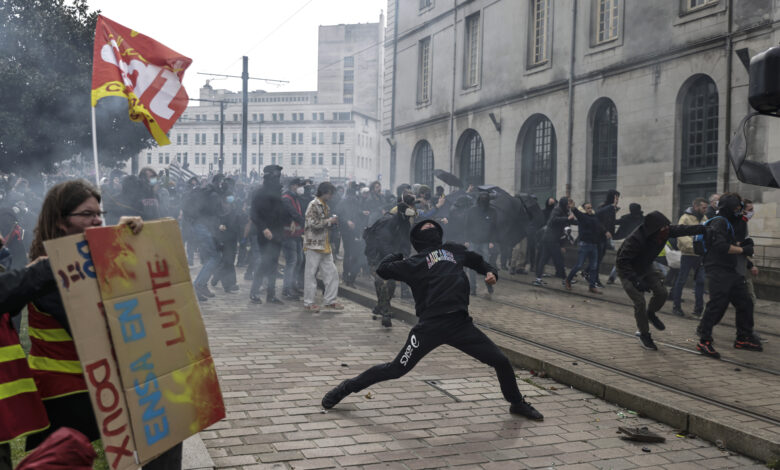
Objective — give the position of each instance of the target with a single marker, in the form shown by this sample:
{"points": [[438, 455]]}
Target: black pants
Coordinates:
{"points": [[551, 249], [726, 287], [352, 254], [454, 329], [268, 267]]}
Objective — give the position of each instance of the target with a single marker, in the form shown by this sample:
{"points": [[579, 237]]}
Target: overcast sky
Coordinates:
{"points": [[280, 38]]}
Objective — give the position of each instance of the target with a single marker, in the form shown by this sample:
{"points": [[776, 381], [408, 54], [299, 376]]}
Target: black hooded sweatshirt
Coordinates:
{"points": [[629, 222], [641, 248], [720, 237], [559, 219], [435, 274], [607, 212]]}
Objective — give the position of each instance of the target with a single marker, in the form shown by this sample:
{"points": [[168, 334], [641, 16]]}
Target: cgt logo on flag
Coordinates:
{"points": [[129, 64]]}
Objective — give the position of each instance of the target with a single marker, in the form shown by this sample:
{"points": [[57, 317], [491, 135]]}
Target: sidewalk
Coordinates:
{"points": [[276, 362]]}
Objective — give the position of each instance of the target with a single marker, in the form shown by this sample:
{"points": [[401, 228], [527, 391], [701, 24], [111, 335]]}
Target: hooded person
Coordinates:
{"points": [[560, 217], [725, 282], [607, 215], [388, 235], [269, 216], [439, 285], [634, 265], [481, 232]]}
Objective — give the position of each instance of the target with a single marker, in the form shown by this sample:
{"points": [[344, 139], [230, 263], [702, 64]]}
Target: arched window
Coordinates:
{"points": [[604, 150], [423, 163], [472, 158], [538, 157], [699, 165]]}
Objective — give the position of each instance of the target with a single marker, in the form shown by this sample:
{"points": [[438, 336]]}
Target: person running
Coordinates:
{"points": [[634, 264], [440, 288]]}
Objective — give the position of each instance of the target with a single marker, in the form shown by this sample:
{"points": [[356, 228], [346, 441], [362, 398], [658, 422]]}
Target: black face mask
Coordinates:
{"points": [[429, 238]]}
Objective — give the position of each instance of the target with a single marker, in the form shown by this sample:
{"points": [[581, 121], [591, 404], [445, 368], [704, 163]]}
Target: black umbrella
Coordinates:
{"points": [[448, 178]]}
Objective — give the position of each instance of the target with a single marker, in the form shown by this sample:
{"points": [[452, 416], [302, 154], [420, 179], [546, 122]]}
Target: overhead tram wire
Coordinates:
{"points": [[270, 34]]}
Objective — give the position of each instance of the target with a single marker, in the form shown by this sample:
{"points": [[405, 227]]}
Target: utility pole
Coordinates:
{"points": [[244, 105]]}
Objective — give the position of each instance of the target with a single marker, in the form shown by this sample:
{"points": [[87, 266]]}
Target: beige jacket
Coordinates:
{"points": [[315, 230], [685, 244]]}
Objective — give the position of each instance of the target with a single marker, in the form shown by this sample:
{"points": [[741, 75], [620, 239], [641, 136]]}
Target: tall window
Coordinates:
{"points": [[604, 150], [423, 163], [541, 23], [471, 52], [699, 165], [472, 159], [607, 17], [538, 157], [695, 4], [424, 71]]}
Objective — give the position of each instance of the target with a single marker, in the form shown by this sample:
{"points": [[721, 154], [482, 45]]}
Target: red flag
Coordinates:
{"points": [[127, 63]]}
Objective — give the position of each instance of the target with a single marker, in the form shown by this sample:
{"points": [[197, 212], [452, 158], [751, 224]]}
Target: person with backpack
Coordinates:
{"points": [[634, 264], [727, 285], [388, 235], [292, 245], [439, 287]]}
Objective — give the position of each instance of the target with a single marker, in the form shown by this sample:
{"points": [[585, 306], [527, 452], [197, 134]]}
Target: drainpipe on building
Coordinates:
{"points": [[729, 71], [393, 143], [570, 150], [454, 69]]}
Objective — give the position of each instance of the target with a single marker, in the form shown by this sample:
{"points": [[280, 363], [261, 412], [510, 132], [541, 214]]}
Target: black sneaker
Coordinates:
{"points": [[678, 311], [273, 300], [656, 322], [333, 397], [599, 284], [538, 282], [647, 342], [748, 343], [386, 321], [705, 347], [523, 408], [255, 299]]}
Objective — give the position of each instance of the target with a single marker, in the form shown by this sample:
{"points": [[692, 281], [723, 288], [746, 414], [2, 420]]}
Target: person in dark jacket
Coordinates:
{"points": [[292, 245], [352, 222], [455, 230], [635, 267], [205, 215], [726, 283], [626, 224], [227, 236], [438, 282], [269, 218], [385, 236], [481, 233], [560, 217], [590, 231], [607, 214]]}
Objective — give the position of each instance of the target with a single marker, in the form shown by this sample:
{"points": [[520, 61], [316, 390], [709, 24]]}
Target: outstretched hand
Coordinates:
{"points": [[490, 279]]}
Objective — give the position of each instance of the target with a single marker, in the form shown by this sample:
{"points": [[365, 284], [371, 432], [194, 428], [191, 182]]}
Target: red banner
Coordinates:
{"points": [[147, 73]]}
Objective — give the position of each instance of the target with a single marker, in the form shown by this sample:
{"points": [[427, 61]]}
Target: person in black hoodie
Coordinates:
{"points": [[726, 283], [590, 230], [635, 267], [269, 217], [607, 214], [626, 224], [440, 289], [560, 217]]}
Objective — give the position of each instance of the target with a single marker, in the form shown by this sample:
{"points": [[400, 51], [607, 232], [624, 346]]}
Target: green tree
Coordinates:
{"points": [[45, 83]]}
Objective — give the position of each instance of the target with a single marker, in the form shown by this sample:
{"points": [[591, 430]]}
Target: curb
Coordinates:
{"points": [[764, 446]]}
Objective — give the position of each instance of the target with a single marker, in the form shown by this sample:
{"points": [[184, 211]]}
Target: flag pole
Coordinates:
{"points": [[94, 150]]}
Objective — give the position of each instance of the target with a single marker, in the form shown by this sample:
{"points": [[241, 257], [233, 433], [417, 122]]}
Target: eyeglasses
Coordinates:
{"points": [[88, 214]]}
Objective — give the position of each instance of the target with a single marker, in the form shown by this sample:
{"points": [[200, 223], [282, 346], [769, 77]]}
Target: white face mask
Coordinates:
{"points": [[299, 190], [749, 215], [410, 212]]}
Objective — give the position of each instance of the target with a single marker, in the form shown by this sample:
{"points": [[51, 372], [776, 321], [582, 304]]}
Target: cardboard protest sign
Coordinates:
{"points": [[164, 361], [77, 282]]}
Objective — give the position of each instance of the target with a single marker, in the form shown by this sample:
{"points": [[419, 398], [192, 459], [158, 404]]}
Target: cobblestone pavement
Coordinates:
{"points": [[276, 362]]}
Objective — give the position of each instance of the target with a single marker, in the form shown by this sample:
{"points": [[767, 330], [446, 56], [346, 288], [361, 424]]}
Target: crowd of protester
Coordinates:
{"points": [[273, 227]]}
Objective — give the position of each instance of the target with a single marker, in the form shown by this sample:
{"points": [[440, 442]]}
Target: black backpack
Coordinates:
{"points": [[702, 240]]}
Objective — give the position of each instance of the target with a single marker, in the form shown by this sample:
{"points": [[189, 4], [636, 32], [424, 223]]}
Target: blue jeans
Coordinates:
{"points": [[292, 248], [589, 251], [207, 247], [688, 263]]}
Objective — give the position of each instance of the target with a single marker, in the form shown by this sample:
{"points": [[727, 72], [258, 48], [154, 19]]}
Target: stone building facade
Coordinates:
{"points": [[576, 97], [329, 134]]}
